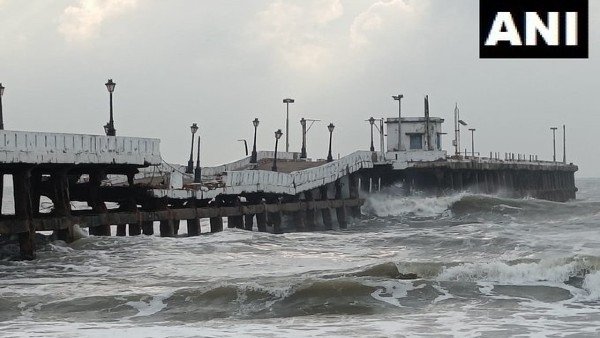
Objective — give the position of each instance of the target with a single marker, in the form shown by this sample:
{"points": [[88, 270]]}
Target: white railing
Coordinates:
{"points": [[37, 147]]}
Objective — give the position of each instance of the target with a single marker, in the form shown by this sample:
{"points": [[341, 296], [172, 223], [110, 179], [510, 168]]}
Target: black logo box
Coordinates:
{"points": [[487, 14]]}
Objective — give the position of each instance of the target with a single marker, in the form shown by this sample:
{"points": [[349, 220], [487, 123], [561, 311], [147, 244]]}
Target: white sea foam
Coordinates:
{"points": [[591, 283], [553, 271], [151, 306], [384, 205]]}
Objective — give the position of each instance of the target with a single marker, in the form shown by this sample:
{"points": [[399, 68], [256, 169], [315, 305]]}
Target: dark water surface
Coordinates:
{"points": [[462, 265]]}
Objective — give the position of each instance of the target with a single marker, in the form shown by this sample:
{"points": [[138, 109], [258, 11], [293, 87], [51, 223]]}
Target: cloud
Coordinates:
{"points": [[298, 32], [383, 16], [83, 21]]}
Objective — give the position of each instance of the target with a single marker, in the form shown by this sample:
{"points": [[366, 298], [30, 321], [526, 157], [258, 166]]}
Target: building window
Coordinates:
{"points": [[416, 141], [439, 141]]}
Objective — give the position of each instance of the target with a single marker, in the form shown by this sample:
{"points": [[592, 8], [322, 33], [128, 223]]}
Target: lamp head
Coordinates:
{"points": [[288, 100], [397, 97], [330, 127], [255, 122], [462, 122], [278, 134], [110, 85], [194, 128], [372, 120]]}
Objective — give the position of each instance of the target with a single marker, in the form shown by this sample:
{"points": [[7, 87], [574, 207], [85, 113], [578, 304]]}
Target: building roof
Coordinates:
{"points": [[414, 120]]}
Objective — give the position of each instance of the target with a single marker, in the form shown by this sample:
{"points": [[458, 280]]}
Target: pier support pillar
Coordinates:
{"points": [[235, 221], [310, 221], [62, 203], [216, 224], [193, 224], [341, 193], [148, 228], [167, 227], [326, 212], [24, 212], [261, 220], [248, 221], [354, 194], [96, 203], [121, 230]]}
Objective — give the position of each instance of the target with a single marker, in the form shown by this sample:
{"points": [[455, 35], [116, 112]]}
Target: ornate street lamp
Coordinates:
{"points": [[110, 127], [190, 166], [287, 123], [278, 134], [372, 123], [1, 117], [399, 99], [253, 159], [330, 127]]}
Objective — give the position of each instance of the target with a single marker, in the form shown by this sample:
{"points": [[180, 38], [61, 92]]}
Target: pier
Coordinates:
{"points": [[126, 186]]}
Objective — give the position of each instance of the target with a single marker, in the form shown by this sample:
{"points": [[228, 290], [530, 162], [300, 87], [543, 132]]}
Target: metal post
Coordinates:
{"points": [[1, 116], [554, 143], [473, 142], [303, 149], [287, 123], [198, 170], [253, 159], [190, 166], [381, 138], [564, 145], [277, 137], [399, 99], [330, 127]]}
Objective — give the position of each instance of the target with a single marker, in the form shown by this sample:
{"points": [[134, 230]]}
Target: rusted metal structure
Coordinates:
{"points": [[125, 184]]}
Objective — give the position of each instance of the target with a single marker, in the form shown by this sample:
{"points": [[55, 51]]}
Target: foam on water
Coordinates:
{"points": [[384, 205]]}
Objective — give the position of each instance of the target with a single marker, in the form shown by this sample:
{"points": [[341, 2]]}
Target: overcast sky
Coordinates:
{"points": [[223, 63]]}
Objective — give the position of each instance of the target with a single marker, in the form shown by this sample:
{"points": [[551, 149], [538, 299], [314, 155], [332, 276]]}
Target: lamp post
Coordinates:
{"points": [[198, 170], [287, 123], [1, 117], [278, 134], [399, 99], [372, 123], [190, 166], [472, 142], [330, 127], [303, 149], [253, 159], [110, 127], [554, 142], [564, 145]]}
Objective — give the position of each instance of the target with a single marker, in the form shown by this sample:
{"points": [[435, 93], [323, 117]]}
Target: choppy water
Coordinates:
{"points": [[463, 265]]}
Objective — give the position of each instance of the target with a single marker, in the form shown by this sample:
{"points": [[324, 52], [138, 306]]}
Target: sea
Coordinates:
{"points": [[463, 265]]}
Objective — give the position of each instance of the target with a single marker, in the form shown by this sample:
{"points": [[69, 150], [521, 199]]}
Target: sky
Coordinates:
{"points": [[222, 63]]}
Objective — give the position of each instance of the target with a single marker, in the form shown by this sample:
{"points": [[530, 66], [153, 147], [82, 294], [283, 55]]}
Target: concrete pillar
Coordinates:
{"points": [[248, 222], [96, 203], [310, 220], [354, 193], [326, 212], [216, 224], [167, 227], [261, 222], [121, 230], [62, 203], [193, 224], [24, 212], [341, 192]]}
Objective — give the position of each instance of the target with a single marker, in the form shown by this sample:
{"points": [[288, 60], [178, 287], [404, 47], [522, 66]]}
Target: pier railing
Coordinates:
{"points": [[37, 147]]}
